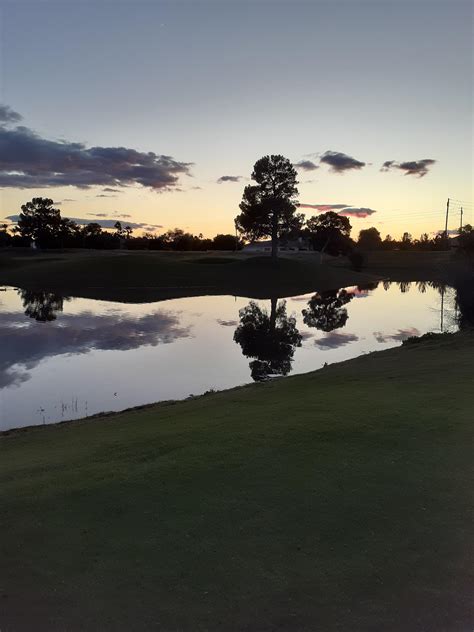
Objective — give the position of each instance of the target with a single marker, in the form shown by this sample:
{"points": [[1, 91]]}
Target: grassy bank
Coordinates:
{"points": [[336, 500], [145, 276]]}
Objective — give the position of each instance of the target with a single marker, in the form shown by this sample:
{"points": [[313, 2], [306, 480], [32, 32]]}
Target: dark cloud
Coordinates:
{"points": [[107, 222], [342, 209], [229, 179], [340, 162], [333, 340], [324, 207], [361, 212], [402, 334], [110, 190], [227, 323], [7, 115], [25, 343], [110, 214], [104, 195], [29, 161], [417, 168], [306, 165], [357, 292]]}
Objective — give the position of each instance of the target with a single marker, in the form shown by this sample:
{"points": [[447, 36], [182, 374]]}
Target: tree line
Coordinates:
{"points": [[41, 224], [269, 209]]}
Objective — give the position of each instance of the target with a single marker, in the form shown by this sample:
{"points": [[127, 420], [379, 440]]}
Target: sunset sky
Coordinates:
{"points": [[89, 89]]}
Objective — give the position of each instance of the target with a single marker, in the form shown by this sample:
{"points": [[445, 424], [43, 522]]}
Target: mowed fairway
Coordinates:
{"points": [[146, 276], [339, 500]]}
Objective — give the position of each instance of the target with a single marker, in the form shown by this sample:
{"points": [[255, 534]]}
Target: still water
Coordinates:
{"points": [[65, 358]]}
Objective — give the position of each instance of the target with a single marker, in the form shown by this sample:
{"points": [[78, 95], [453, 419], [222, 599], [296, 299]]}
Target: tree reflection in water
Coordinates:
{"points": [[41, 305], [326, 310], [269, 338]]}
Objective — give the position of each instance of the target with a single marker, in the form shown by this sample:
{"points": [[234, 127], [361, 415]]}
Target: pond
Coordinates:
{"points": [[65, 358]]}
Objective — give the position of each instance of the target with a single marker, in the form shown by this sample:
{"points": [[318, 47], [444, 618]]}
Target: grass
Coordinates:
{"points": [[336, 500], [147, 276]]}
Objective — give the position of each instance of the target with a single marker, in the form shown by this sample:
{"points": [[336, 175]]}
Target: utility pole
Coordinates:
{"points": [[447, 216], [460, 225]]}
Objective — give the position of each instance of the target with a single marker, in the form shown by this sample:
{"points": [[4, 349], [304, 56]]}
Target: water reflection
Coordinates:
{"points": [[23, 346], [269, 338], [326, 311], [465, 305], [92, 356], [42, 306]]}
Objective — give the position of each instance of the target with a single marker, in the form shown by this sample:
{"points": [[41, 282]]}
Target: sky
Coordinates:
{"points": [[155, 112]]}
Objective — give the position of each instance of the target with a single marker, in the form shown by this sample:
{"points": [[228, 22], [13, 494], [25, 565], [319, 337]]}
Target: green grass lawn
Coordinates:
{"points": [[339, 500], [147, 276]]}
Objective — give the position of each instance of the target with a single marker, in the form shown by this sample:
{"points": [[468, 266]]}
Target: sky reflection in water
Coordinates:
{"points": [[66, 358]]}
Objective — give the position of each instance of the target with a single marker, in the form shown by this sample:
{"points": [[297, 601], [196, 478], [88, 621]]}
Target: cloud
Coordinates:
{"points": [[25, 343], [341, 209], [29, 161], [107, 222], [227, 323], [401, 334], [306, 165], [7, 115], [352, 211], [324, 207], [333, 340], [417, 168], [114, 214], [357, 292], [340, 162], [229, 179], [104, 195], [110, 190]]}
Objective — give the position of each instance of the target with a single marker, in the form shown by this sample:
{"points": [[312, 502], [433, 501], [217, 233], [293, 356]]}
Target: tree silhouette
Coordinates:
{"points": [[464, 301], [330, 232], [42, 306], [39, 221], [326, 310], [369, 239], [268, 207], [269, 338], [404, 286]]}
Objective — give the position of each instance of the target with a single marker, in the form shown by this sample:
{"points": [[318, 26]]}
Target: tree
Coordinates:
{"points": [[330, 232], [326, 311], [389, 243], [226, 242], [269, 338], [406, 242], [268, 207], [466, 239], [5, 237], [40, 222], [369, 239], [42, 306], [119, 230]]}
